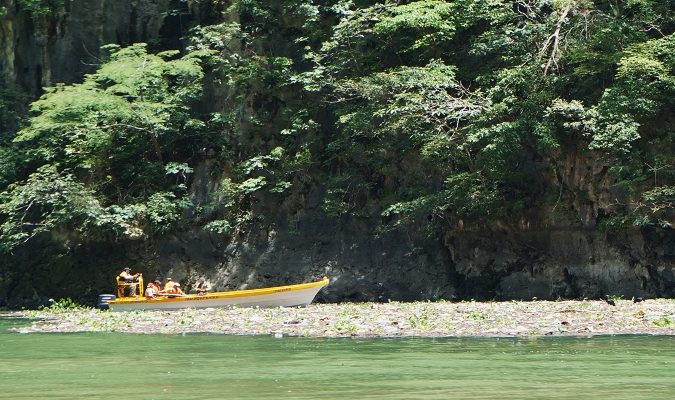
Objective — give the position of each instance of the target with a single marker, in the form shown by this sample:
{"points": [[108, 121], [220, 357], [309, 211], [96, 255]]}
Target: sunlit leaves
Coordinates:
{"points": [[459, 109], [69, 124], [39, 8], [616, 133], [45, 200], [49, 199], [414, 112], [108, 140], [645, 83], [433, 19], [252, 184], [425, 103], [136, 104]]}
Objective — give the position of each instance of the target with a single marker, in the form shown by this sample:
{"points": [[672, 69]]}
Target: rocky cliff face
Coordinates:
{"points": [[544, 258], [461, 265], [39, 51]]}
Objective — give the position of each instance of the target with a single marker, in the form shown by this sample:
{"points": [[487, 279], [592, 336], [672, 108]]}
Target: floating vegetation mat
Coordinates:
{"points": [[417, 319]]}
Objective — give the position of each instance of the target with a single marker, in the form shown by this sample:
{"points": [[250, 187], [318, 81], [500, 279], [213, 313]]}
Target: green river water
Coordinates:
{"points": [[211, 366]]}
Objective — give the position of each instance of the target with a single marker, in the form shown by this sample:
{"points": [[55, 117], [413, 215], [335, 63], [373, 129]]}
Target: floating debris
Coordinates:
{"points": [[392, 319]]}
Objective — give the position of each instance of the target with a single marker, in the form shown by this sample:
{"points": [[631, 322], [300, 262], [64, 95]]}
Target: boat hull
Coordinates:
{"points": [[279, 296]]}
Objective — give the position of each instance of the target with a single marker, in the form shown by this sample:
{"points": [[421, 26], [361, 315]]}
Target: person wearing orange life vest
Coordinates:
{"points": [[175, 289], [157, 285], [168, 286]]}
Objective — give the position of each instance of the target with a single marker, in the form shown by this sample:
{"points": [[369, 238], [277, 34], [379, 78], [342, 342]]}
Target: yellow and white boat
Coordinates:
{"points": [[279, 296]]}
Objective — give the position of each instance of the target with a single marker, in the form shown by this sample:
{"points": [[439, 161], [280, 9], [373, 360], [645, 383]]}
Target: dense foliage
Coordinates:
{"points": [[460, 111], [108, 153]]}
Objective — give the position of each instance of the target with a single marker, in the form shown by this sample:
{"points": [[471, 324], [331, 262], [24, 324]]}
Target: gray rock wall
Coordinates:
{"points": [[39, 51], [463, 265]]}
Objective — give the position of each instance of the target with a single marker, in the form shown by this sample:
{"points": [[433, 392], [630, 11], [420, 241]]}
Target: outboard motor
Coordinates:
{"points": [[103, 300]]}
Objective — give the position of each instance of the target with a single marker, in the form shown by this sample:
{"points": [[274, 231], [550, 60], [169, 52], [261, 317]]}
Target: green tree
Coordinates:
{"points": [[515, 88], [119, 141]]}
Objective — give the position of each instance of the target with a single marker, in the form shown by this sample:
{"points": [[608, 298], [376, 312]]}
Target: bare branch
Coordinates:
{"points": [[554, 41]]}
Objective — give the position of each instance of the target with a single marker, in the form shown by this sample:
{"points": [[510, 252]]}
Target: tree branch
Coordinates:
{"points": [[555, 39]]}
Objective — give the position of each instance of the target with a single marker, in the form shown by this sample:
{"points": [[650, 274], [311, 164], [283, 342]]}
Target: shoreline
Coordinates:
{"points": [[378, 320]]}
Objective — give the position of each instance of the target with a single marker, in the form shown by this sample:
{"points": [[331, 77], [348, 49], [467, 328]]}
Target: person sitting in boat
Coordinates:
{"points": [[151, 291], [202, 286], [126, 276], [168, 286], [175, 290], [157, 285]]}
